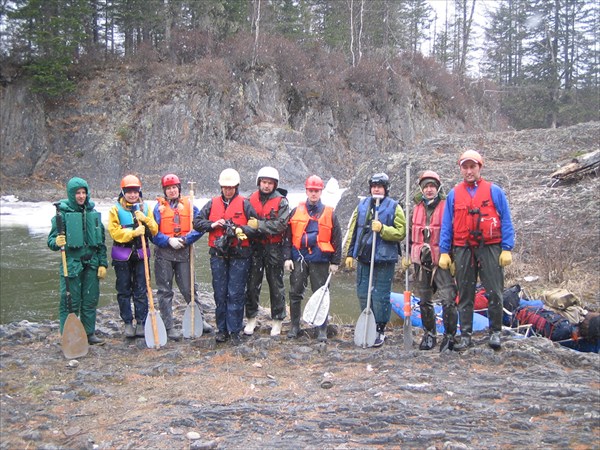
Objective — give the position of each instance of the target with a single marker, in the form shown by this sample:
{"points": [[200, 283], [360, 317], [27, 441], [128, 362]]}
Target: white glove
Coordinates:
{"points": [[333, 268], [177, 244], [288, 265]]}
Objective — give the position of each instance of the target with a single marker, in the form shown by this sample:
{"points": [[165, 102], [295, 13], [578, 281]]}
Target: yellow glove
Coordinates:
{"points": [[452, 269], [445, 261], [240, 234], [406, 263], [505, 258], [349, 262], [141, 217], [253, 223], [139, 231], [61, 240], [376, 226], [101, 272]]}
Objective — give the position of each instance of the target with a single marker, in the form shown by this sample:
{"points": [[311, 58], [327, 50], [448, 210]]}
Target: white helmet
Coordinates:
{"points": [[229, 178], [267, 172]]}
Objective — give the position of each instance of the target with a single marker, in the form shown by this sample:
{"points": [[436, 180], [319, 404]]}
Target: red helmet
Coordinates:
{"points": [[170, 180], [129, 181], [314, 182], [429, 176], [470, 155]]}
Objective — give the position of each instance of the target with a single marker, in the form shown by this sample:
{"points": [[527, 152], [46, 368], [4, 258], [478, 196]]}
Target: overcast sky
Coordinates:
{"points": [[481, 9]]}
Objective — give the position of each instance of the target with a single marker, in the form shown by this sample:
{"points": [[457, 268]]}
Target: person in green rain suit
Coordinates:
{"points": [[85, 249]]}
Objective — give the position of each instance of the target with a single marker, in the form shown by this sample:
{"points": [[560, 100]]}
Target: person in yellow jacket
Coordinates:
{"points": [[129, 221]]}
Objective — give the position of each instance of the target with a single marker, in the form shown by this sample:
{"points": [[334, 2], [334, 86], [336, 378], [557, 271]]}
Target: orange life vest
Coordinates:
{"points": [[420, 227], [271, 207], [174, 222], [476, 220], [300, 220], [234, 211]]}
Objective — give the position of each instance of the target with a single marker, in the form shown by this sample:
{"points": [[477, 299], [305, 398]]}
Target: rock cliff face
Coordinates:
{"points": [[122, 121]]}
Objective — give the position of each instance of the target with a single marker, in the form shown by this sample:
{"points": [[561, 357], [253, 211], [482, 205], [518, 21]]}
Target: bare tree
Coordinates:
{"points": [[256, 23]]}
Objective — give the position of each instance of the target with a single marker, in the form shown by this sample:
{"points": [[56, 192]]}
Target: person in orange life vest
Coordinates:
{"points": [[273, 212], [225, 218], [312, 248], [477, 228], [425, 255], [129, 221], [172, 259], [389, 230]]}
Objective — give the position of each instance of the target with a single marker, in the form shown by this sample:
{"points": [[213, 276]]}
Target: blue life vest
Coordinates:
{"points": [[385, 251], [126, 216]]}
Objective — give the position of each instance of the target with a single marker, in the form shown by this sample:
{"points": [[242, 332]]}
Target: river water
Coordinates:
{"points": [[29, 270]]}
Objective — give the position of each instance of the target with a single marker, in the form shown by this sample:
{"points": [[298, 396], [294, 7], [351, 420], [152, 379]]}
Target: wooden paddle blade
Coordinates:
{"points": [[74, 342], [153, 316], [187, 322], [317, 307], [365, 331]]}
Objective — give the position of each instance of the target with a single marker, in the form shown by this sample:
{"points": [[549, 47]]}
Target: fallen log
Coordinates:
{"points": [[587, 164]]}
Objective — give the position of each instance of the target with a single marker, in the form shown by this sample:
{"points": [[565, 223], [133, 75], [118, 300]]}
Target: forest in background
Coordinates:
{"points": [[540, 58]]}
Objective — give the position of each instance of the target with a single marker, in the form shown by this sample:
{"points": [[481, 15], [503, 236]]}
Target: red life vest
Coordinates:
{"points": [[235, 212], [419, 227], [475, 218], [174, 222], [299, 222], [271, 207]]}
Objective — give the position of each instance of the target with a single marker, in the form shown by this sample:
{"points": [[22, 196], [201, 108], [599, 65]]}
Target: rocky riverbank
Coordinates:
{"points": [[276, 393]]}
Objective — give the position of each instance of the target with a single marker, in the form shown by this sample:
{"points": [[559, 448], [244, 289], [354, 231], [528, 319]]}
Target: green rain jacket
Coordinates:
{"points": [[84, 231]]}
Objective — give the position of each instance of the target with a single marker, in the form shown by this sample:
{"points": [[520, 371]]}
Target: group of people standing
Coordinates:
{"points": [[454, 240]]}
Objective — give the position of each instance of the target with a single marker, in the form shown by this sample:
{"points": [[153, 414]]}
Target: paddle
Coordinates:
{"points": [[407, 328], [317, 307], [74, 342], [154, 330], [192, 317], [365, 331]]}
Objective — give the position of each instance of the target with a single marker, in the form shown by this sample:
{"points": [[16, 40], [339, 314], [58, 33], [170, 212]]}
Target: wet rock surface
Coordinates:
{"points": [[273, 392]]}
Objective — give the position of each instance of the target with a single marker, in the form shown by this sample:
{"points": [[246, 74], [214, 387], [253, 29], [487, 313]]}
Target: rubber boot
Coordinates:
{"points": [[495, 341], [295, 316], [322, 336], [95, 340], [465, 342]]}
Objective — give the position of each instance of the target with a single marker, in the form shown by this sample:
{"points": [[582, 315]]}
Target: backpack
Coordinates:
{"points": [[480, 302], [560, 299], [546, 323]]}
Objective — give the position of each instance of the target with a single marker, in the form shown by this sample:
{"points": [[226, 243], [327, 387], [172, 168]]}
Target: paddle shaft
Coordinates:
{"points": [[192, 296], [60, 226], [407, 294], [371, 268], [152, 313]]}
